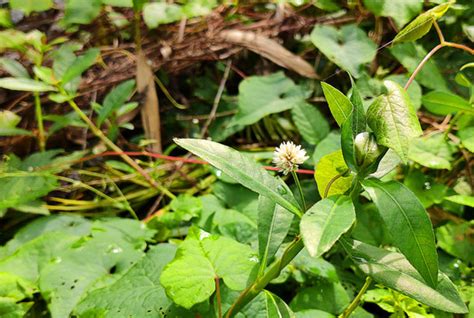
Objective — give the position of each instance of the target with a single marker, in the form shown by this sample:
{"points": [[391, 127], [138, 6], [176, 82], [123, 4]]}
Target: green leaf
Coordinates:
{"points": [[190, 278], [408, 221], [5, 18], [8, 122], [328, 168], [28, 259], [115, 99], [157, 13], [14, 293], [197, 8], [401, 11], [236, 225], [394, 271], [18, 190], [243, 170], [433, 151], [260, 96], [444, 103], [410, 55], [29, 6], [274, 222], [349, 47], [331, 143], [339, 104], [393, 120], [467, 138], [45, 74], [80, 64], [112, 247], [68, 224], [267, 305], [461, 199], [311, 313], [138, 293], [324, 223], [455, 239], [14, 68], [24, 84], [119, 3], [326, 296], [422, 24], [309, 121], [81, 12]]}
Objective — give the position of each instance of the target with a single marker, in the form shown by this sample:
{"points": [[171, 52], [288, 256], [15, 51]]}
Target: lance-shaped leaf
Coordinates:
{"points": [[393, 120], [324, 223], [243, 170], [24, 84], [115, 99], [80, 64], [190, 278], [394, 271], [408, 223], [274, 223], [443, 103], [422, 24], [339, 104]]}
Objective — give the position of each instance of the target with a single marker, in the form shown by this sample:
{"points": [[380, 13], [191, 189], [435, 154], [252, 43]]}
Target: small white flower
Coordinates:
{"points": [[288, 156]]}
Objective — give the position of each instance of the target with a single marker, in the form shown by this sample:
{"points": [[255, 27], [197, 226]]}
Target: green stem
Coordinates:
{"points": [[39, 119], [355, 302], [109, 143], [300, 190], [273, 271]]}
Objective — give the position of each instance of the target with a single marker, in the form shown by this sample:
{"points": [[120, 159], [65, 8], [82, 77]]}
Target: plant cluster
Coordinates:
{"points": [[384, 228]]}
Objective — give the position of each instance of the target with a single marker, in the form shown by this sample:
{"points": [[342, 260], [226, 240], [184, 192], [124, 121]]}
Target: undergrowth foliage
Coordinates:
{"points": [[387, 219]]}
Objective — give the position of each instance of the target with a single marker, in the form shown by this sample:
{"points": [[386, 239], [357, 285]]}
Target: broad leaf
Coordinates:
{"points": [[81, 12], [274, 222], [18, 190], [422, 24], [29, 6], [310, 123], [243, 170], [112, 247], [157, 13], [14, 293], [24, 84], [393, 120], [444, 103], [408, 222], [349, 47], [433, 151], [190, 278], [115, 99], [401, 11], [260, 96], [327, 296], [80, 64], [137, 293], [394, 271], [455, 239], [324, 223], [339, 104], [329, 168]]}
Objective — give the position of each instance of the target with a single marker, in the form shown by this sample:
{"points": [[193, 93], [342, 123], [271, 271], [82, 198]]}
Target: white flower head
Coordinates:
{"points": [[288, 156]]}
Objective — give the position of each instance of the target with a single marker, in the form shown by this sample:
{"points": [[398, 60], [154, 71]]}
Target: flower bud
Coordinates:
{"points": [[367, 150]]}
